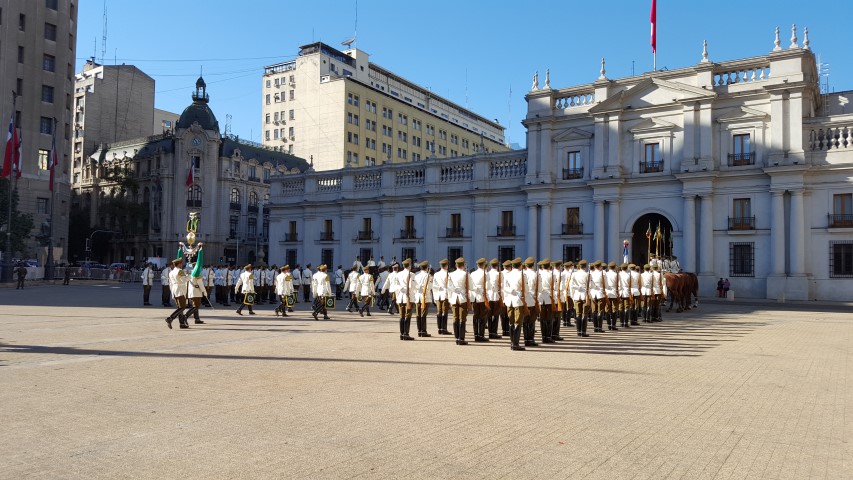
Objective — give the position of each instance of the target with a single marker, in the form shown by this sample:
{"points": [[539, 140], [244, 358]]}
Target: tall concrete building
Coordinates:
{"points": [[339, 109], [38, 39]]}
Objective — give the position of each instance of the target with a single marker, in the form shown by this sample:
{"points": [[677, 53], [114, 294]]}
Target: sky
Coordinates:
{"points": [[479, 54]]}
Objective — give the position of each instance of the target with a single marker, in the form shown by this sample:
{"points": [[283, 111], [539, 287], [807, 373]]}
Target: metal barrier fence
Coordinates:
{"points": [[84, 273]]}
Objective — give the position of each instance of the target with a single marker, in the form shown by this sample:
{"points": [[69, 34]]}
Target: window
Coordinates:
{"points": [[387, 113], [506, 253], [41, 205], [416, 141], [267, 118], [290, 115], [454, 139], [48, 63], [290, 236], [49, 31], [841, 259], [253, 226], [352, 138], [43, 156], [430, 130], [366, 232], [742, 259], [403, 119], [253, 199], [652, 162], [506, 228], [51, 4], [741, 218], [401, 153], [235, 199], [842, 210], [292, 94], [194, 196], [573, 222], [370, 106], [20, 54], [328, 234], [46, 125], [408, 252], [290, 132], [352, 99], [22, 22], [253, 175], [387, 131], [574, 168], [442, 135], [268, 99], [741, 154], [408, 227], [572, 252], [453, 253], [402, 136], [455, 229]]}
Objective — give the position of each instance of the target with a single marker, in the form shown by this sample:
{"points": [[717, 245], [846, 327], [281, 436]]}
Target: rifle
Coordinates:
{"points": [[559, 305], [524, 308], [409, 301], [424, 293], [467, 291], [485, 295]]}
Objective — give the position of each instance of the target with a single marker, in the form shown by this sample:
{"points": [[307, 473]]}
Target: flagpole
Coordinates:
{"points": [[7, 253]]}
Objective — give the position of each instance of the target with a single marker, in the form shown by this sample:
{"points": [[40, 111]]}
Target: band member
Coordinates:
{"points": [[493, 294], [166, 292], [559, 303], [439, 296], [307, 274], [626, 300], [611, 300], [512, 286], [365, 290], [196, 293], [246, 280], [458, 291], [532, 299], [479, 300], [352, 287], [231, 276], [579, 289], [321, 288], [273, 272], [635, 292], [390, 289], [544, 294], [297, 281], [381, 282], [178, 284], [209, 284], [147, 282], [258, 274], [402, 288], [422, 289], [647, 292], [218, 283], [283, 288]]}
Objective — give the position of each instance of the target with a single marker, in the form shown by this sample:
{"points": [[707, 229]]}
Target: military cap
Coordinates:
{"points": [[286, 267], [248, 266], [596, 263], [407, 262], [529, 261], [544, 263], [623, 266], [177, 261], [481, 261], [646, 266], [556, 263], [460, 260], [321, 267], [612, 264], [494, 262], [570, 263], [516, 262], [443, 262], [632, 266], [395, 265], [424, 264], [507, 263], [582, 263], [655, 266]]}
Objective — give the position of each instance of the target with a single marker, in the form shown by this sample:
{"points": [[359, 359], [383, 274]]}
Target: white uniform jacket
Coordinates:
{"points": [[578, 284], [164, 277], [530, 293], [596, 284], [546, 286], [478, 289], [439, 285], [352, 282], [364, 285], [610, 283], [421, 281], [320, 286], [148, 276], [493, 287], [400, 286], [178, 282], [646, 283], [456, 292], [247, 281], [635, 283], [625, 284], [511, 288], [297, 278], [283, 284], [196, 287]]}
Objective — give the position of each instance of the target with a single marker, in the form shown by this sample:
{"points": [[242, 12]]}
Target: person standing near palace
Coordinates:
{"points": [[402, 288], [659, 293], [297, 281], [636, 280], [390, 287], [558, 303], [307, 274], [596, 296], [365, 289], [493, 295], [626, 307], [283, 288], [273, 272], [422, 289], [611, 290], [439, 295], [647, 292], [147, 282], [351, 285], [178, 284], [321, 288], [458, 295], [530, 290], [579, 290], [566, 294], [512, 285], [195, 294], [339, 282], [381, 280], [478, 300], [166, 290], [246, 285], [381, 263], [259, 287]]}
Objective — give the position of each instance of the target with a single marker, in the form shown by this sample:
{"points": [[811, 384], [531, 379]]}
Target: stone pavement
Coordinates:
{"points": [[93, 385]]}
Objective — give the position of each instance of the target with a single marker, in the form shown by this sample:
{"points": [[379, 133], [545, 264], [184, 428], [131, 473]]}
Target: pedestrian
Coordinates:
{"points": [[147, 282], [66, 277], [726, 287], [247, 282], [166, 293], [339, 282], [22, 275], [720, 288]]}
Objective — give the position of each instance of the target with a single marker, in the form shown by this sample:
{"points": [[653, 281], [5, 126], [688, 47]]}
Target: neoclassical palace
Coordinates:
{"points": [[744, 166]]}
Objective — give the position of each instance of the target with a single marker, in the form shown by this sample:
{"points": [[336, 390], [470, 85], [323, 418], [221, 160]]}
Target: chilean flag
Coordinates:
{"points": [[52, 160], [191, 172], [653, 20], [11, 148]]}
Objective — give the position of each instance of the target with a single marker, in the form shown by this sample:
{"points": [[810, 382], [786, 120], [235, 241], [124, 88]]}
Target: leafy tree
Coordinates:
{"points": [[22, 224]]}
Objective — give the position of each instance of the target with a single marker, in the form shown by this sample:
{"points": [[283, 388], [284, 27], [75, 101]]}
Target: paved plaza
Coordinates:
{"points": [[93, 385]]}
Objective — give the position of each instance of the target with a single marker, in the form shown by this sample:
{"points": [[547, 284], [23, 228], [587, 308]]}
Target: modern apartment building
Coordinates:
{"points": [[38, 40], [338, 109]]}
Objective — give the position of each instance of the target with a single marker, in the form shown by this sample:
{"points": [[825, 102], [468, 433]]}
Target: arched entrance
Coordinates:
{"points": [[640, 243]]}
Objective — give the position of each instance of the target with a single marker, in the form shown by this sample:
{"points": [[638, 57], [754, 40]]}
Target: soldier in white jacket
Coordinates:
{"points": [[307, 274], [246, 285], [422, 286], [381, 281], [511, 288], [388, 290], [458, 294], [178, 284], [351, 286], [479, 300], [321, 288], [401, 286], [439, 296], [297, 281], [196, 293], [366, 290], [578, 288], [147, 282], [496, 311], [283, 288], [545, 296], [166, 295]]}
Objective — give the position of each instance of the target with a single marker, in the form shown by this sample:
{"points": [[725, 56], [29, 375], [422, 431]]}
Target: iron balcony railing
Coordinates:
{"points": [[840, 220], [572, 228], [742, 223], [506, 230], [572, 173], [741, 159], [651, 167], [455, 232]]}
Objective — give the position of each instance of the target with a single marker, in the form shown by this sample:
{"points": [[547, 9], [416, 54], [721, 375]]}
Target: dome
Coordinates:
{"points": [[198, 111]]}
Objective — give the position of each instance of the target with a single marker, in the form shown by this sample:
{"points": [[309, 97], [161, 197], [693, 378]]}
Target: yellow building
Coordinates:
{"points": [[338, 109]]}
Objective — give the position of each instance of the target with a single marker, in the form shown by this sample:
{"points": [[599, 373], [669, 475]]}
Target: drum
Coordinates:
{"points": [[290, 300], [249, 299], [330, 302]]}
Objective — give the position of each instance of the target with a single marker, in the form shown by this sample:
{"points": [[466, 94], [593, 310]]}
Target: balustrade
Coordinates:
{"points": [[508, 168], [571, 101], [409, 177], [741, 75], [831, 138], [329, 184], [457, 173], [367, 181]]}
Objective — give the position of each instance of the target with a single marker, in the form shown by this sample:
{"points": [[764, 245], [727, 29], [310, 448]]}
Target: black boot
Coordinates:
{"points": [[505, 325], [481, 330], [583, 321], [529, 333], [460, 340], [545, 327], [183, 319], [403, 329], [198, 320], [493, 327], [424, 326], [611, 321], [515, 337], [555, 331], [579, 325], [634, 316], [456, 330], [408, 326]]}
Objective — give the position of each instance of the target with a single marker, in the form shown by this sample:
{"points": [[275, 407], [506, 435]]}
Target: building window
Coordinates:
{"points": [[51, 4], [453, 253], [292, 94], [267, 118], [387, 113], [43, 156], [572, 252], [50, 31], [652, 162], [456, 230], [290, 115], [741, 218], [506, 228], [235, 199], [842, 210], [48, 63], [841, 259], [194, 196], [328, 233], [403, 119], [20, 54], [402, 136], [741, 154], [573, 224], [366, 232], [22, 22], [253, 226], [268, 99], [574, 168], [47, 93], [408, 227], [41, 205], [253, 199], [741, 259]]}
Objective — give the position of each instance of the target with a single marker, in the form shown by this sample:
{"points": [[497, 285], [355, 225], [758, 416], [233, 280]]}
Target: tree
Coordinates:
{"points": [[22, 225]]}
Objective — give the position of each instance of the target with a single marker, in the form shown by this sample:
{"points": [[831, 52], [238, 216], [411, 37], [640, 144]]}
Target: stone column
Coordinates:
{"points": [[432, 233], [614, 247], [688, 263], [532, 230], [598, 232], [706, 235], [545, 231], [797, 245], [777, 233]]}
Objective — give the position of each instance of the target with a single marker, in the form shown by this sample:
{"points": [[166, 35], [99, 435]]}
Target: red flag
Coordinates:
{"points": [[191, 173], [653, 19], [11, 148], [52, 160]]}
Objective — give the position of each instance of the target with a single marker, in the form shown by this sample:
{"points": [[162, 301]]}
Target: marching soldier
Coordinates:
{"points": [[271, 293], [380, 287], [532, 301], [209, 283], [422, 285], [493, 295], [321, 288], [390, 289], [611, 290], [659, 293], [566, 294], [196, 293], [647, 292], [283, 288], [596, 295], [558, 302], [178, 285], [626, 307], [635, 292], [479, 300], [458, 291], [166, 292], [365, 290], [351, 286], [544, 296], [307, 276], [579, 288], [511, 292], [402, 288], [246, 285], [439, 295]]}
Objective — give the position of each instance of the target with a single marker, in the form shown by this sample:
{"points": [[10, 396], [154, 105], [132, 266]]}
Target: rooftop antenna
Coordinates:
{"points": [[227, 124], [104, 35], [350, 41], [823, 83]]}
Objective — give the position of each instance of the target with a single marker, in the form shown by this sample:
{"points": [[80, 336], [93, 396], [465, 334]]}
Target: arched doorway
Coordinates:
{"points": [[640, 243]]}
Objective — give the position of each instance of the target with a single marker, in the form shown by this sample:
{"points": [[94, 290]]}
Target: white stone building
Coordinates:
{"points": [[744, 165]]}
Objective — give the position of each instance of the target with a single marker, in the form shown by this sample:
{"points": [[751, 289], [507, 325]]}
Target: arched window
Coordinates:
{"points": [[253, 199], [235, 199], [194, 196]]}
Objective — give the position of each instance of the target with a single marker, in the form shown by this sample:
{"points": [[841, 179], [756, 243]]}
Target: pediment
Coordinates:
{"points": [[652, 92], [572, 134], [650, 125], [742, 114]]}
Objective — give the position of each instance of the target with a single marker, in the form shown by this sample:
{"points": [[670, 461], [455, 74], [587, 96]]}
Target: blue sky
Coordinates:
{"points": [[474, 53]]}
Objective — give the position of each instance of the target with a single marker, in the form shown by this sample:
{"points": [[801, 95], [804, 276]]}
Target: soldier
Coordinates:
{"points": [[676, 267], [178, 284], [623, 279], [636, 297], [307, 274], [218, 283], [422, 290], [283, 288], [579, 289], [272, 272], [365, 289], [321, 288], [231, 279], [493, 295], [478, 300], [196, 293], [381, 281], [245, 285], [209, 284], [532, 301], [402, 288], [559, 303], [611, 291], [596, 296], [439, 295], [511, 293], [339, 282], [659, 293], [458, 291], [647, 292], [166, 292], [566, 295], [147, 282], [256, 274], [544, 295], [351, 286], [261, 275], [390, 289]]}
